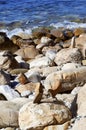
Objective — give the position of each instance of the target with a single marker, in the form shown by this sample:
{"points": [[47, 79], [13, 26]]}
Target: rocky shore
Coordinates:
{"points": [[43, 80]]}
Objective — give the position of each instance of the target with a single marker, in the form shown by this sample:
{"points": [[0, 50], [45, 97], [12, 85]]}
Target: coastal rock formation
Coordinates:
{"points": [[43, 81]]}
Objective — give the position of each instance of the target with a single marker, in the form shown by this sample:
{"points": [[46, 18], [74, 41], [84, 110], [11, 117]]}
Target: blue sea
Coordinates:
{"points": [[29, 14]]}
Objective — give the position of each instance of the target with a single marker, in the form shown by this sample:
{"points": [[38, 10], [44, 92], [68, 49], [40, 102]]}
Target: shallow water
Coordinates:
{"points": [[28, 14]]}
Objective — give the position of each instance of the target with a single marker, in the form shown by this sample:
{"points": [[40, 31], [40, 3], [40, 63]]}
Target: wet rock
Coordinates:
{"points": [[6, 43], [40, 32], [72, 55], [44, 114]]}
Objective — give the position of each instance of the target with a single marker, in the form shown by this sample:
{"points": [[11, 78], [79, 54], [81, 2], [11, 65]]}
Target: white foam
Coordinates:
{"points": [[16, 31], [70, 25]]}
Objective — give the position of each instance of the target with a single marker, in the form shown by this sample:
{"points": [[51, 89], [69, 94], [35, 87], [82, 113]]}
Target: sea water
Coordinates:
{"points": [[24, 15]]}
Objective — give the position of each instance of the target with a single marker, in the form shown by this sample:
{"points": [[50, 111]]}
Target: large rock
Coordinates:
{"points": [[32, 52], [68, 55], [61, 81], [58, 33], [9, 112], [34, 117], [41, 62], [6, 43], [21, 42]]}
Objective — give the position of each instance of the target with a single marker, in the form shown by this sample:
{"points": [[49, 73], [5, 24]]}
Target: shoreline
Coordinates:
{"points": [[42, 84]]}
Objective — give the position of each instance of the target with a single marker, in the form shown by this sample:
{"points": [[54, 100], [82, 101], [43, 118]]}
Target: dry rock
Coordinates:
{"points": [[58, 127], [68, 55], [32, 52], [41, 62], [78, 31], [79, 124], [61, 81], [81, 44], [37, 116], [8, 92]]}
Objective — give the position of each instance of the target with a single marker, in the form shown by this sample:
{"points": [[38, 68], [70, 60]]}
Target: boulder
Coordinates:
{"points": [[72, 55], [37, 116], [41, 62], [21, 42], [6, 43], [32, 52], [58, 33], [66, 80]]}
